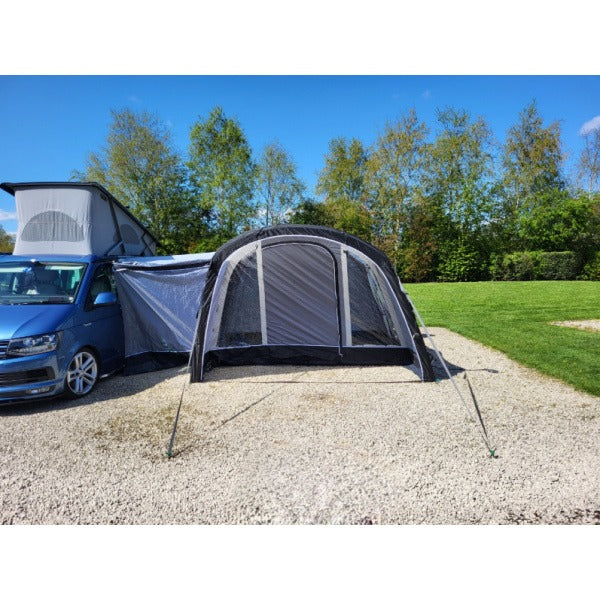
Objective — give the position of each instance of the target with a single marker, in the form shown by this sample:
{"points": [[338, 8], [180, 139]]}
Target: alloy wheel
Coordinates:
{"points": [[82, 373]]}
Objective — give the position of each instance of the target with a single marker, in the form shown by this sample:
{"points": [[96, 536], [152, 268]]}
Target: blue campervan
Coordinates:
{"points": [[61, 327]]}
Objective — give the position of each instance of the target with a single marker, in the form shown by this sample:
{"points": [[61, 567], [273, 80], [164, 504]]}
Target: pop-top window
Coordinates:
{"points": [[128, 233], [52, 226]]}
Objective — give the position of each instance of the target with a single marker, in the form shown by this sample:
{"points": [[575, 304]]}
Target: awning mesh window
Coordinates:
{"points": [[240, 321], [369, 315]]}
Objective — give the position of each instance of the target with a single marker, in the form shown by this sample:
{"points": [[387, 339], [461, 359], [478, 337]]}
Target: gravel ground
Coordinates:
{"points": [[288, 445]]}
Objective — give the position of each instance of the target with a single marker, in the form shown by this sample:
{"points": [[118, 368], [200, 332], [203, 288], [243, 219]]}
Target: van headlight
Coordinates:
{"points": [[32, 345]]}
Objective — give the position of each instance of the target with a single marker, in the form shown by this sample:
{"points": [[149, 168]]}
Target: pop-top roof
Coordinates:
{"points": [[76, 218]]}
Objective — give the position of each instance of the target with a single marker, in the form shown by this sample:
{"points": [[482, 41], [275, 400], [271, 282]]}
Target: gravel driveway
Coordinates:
{"points": [[308, 445]]}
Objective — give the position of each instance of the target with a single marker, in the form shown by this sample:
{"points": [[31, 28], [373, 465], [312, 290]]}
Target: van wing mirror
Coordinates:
{"points": [[105, 298]]}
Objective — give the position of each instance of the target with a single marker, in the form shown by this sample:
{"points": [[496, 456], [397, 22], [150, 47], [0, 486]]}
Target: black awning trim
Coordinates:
{"points": [[308, 355]]}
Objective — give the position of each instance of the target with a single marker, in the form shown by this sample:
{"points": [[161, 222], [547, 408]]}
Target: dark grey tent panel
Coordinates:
{"points": [[160, 299], [300, 309], [76, 218], [295, 294]]}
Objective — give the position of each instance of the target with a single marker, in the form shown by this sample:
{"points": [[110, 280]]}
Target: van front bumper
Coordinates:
{"points": [[30, 377]]}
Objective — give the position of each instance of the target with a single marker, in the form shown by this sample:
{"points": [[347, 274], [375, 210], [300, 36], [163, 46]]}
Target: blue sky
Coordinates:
{"points": [[49, 124]]}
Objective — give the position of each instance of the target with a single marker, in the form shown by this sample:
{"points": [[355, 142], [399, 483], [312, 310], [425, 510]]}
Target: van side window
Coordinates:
{"points": [[103, 281]]}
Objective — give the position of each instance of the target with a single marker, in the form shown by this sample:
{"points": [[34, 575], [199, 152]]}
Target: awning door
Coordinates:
{"points": [[299, 285]]}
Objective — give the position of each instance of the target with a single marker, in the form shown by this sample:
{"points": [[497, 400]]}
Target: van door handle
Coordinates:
{"points": [[86, 324]]}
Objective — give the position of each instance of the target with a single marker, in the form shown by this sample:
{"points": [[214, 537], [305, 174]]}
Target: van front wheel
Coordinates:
{"points": [[82, 374]]}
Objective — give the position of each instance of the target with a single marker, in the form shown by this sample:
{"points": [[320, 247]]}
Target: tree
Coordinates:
{"points": [[460, 192], [559, 222], [6, 241], [140, 168], [393, 179], [533, 157], [589, 161], [342, 185], [279, 187], [533, 160], [460, 170], [309, 212], [222, 174], [419, 250], [343, 175]]}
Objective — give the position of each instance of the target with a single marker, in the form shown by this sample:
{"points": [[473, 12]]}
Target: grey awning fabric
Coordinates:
{"points": [[304, 295], [160, 298], [300, 295]]}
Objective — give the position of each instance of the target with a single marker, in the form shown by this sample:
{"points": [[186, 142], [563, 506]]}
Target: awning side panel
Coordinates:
{"points": [[160, 308]]}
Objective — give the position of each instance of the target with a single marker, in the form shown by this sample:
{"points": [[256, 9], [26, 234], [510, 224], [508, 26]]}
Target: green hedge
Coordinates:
{"points": [[558, 265], [525, 266], [591, 271]]}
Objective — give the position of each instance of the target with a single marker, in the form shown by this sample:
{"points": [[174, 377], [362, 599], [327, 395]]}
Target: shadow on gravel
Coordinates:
{"points": [[438, 369], [578, 516], [235, 373], [440, 372], [119, 386], [240, 372]]}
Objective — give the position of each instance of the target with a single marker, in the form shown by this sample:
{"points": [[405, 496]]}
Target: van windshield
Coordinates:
{"points": [[34, 282]]}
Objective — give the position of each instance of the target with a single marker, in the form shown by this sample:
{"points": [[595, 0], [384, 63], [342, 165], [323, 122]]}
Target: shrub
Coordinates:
{"points": [[518, 266], [591, 271], [525, 266], [417, 262], [208, 243], [558, 265], [461, 263]]}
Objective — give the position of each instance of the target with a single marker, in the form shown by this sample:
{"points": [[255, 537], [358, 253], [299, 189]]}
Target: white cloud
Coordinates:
{"points": [[7, 216], [426, 95], [134, 99], [590, 126]]}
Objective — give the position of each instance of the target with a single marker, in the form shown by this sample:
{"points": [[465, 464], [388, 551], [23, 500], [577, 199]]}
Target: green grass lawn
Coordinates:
{"points": [[514, 317]]}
